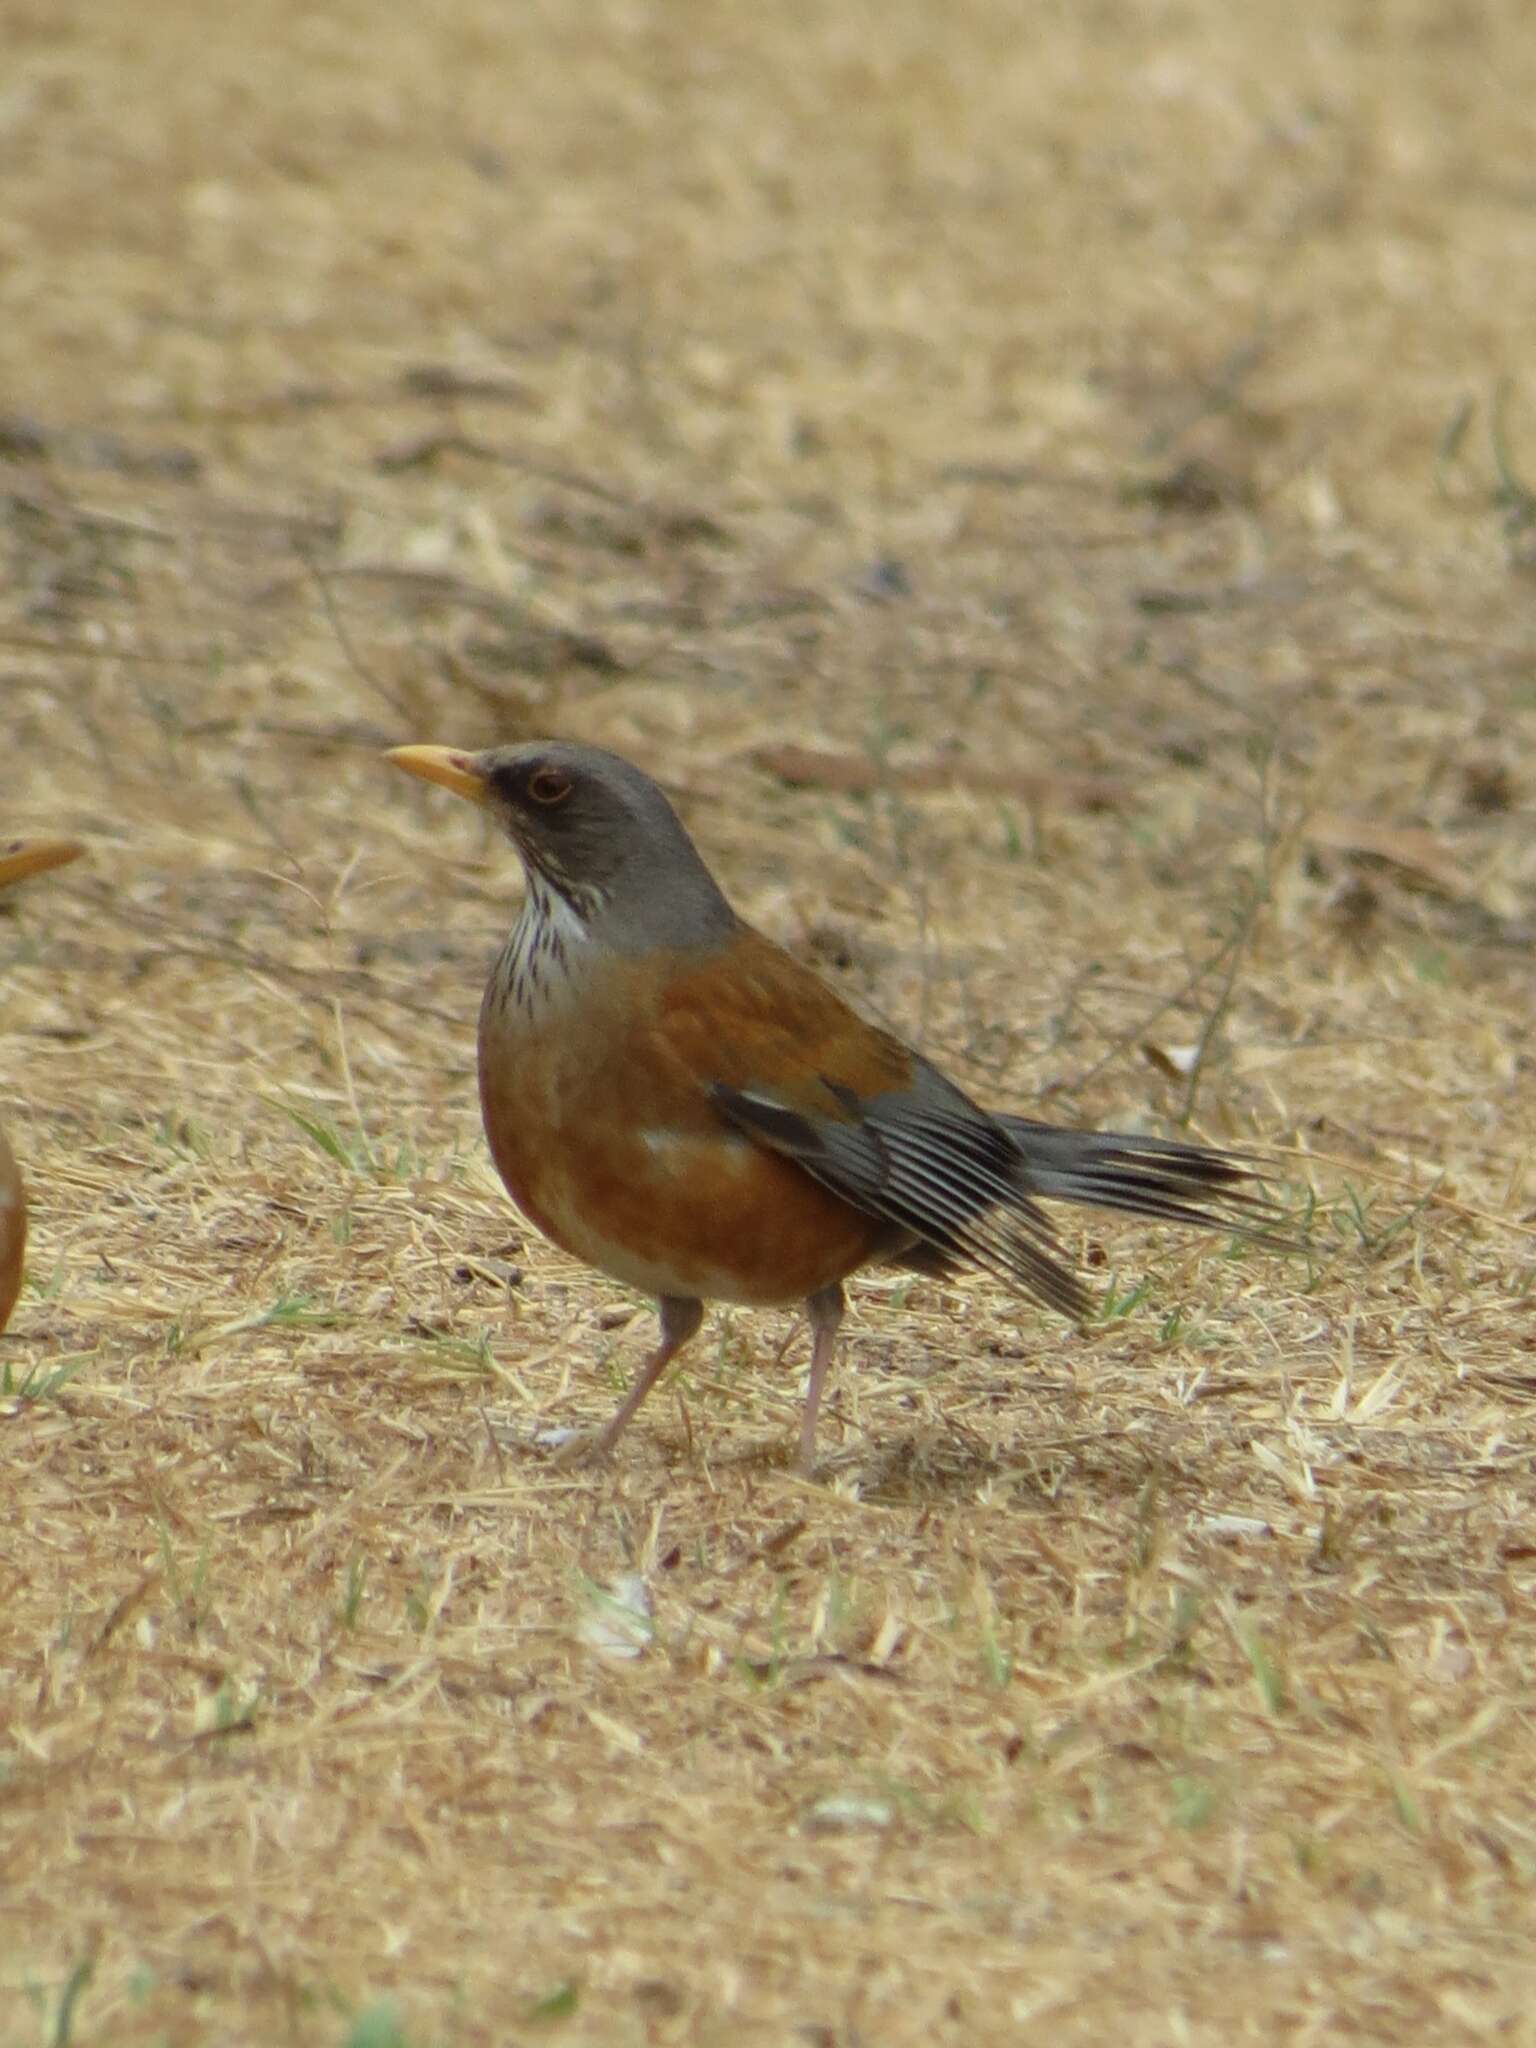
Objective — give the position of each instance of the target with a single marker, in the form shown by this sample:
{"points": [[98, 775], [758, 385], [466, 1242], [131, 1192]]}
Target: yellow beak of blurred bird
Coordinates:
{"points": [[19, 859]]}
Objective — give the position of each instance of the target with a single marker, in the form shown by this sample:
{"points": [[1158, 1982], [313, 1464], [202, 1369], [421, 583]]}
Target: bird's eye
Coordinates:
{"points": [[549, 786]]}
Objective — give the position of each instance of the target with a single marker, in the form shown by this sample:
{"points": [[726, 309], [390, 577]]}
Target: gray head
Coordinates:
{"points": [[594, 830]]}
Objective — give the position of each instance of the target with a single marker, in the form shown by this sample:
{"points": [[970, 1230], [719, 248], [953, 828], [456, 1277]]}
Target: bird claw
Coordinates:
{"points": [[569, 1447]]}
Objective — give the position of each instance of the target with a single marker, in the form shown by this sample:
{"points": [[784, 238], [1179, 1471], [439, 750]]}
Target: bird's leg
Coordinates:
{"points": [[680, 1318], [826, 1312]]}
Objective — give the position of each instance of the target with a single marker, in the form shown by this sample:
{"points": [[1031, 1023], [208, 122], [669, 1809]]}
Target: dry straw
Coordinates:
{"points": [[1044, 440]]}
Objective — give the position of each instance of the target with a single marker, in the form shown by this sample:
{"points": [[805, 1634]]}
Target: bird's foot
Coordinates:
{"points": [[570, 1447]]}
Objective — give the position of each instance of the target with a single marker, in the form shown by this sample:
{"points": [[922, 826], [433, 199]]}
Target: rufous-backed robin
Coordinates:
{"points": [[679, 1102], [18, 859]]}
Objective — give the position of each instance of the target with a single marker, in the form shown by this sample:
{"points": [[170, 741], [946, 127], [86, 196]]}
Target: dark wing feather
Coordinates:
{"points": [[938, 1168]]}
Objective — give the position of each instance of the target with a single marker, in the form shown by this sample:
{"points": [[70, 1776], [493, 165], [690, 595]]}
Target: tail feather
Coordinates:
{"points": [[1164, 1178]]}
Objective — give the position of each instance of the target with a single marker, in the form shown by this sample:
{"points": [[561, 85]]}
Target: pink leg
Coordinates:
{"points": [[826, 1312], [680, 1318]]}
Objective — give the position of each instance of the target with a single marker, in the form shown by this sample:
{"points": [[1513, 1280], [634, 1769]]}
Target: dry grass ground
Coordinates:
{"points": [[1100, 427]]}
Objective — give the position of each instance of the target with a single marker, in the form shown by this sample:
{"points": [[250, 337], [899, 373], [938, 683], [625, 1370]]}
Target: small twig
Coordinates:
{"points": [[1124, 1040], [78, 650], [1247, 922], [355, 661], [1218, 393], [1516, 497], [1451, 438], [1223, 1003]]}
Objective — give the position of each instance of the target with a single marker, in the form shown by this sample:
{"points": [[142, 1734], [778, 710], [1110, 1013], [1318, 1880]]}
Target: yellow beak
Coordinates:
{"points": [[447, 765], [24, 857]]}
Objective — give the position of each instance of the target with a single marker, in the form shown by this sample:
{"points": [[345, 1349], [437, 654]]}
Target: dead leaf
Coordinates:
{"points": [[1409, 847]]}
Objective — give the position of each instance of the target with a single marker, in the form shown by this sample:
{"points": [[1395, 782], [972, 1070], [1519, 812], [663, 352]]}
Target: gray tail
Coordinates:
{"points": [[1160, 1177]]}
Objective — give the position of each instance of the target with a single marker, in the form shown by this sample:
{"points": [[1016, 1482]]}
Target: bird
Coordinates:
{"points": [[673, 1098], [20, 858]]}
